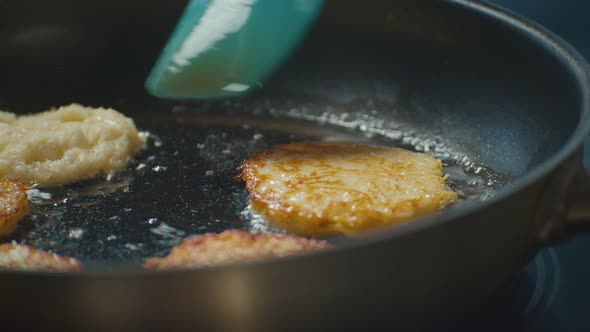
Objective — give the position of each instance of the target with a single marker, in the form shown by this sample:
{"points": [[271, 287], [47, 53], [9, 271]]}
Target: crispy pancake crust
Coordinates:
{"points": [[324, 188], [21, 257], [13, 204], [229, 247]]}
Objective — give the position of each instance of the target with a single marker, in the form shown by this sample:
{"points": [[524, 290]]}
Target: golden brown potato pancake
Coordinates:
{"points": [[323, 188], [230, 247], [13, 204], [21, 257]]}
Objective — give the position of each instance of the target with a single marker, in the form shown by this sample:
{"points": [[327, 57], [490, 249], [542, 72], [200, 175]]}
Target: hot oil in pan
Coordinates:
{"points": [[184, 185]]}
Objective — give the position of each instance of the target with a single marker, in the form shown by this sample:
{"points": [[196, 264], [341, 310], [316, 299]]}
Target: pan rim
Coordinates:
{"points": [[578, 67], [552, 43]]}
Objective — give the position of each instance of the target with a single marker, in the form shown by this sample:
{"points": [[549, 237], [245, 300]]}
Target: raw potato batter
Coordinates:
{"points": [[66, 145], [323, 188]]}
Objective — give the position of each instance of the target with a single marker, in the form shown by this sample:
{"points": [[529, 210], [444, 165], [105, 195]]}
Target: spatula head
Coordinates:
{"points": [[226, 48]]}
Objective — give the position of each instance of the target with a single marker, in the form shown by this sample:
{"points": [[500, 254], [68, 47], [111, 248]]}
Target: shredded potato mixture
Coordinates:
{"points": [[66, 145], [13, 204], [231, 247], [21, 257]]}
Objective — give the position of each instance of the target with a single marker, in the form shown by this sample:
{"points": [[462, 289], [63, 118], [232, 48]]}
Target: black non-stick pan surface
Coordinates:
{"points": [[503, 103], [184, 183]]}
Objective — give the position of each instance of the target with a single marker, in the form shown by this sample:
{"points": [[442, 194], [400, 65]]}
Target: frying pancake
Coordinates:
{"points": [[21, 257], [231, 246], [324, 188], [13, 204], [66, 145]]}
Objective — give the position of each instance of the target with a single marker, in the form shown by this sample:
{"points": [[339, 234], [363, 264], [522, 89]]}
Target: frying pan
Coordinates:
{"points": [[503, 102]]}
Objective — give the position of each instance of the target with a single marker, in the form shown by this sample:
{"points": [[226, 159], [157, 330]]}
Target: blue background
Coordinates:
{"points": [[568, 18]]}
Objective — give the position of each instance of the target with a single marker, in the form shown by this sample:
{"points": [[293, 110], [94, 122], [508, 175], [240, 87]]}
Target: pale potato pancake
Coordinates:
{"points": [[326, 188], [21, 257], [13, 204], [66, 145], [230, 247]]}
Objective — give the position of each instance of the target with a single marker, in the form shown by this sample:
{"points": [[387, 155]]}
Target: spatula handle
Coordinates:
{"points": [[226, 48]]}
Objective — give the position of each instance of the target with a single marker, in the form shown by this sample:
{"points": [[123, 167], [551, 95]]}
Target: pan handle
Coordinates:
{"points": [[578, 202], [578, 199]]}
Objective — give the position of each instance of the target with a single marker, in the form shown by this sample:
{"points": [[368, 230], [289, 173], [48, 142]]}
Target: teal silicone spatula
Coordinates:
{"points": [[226, 48]]}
